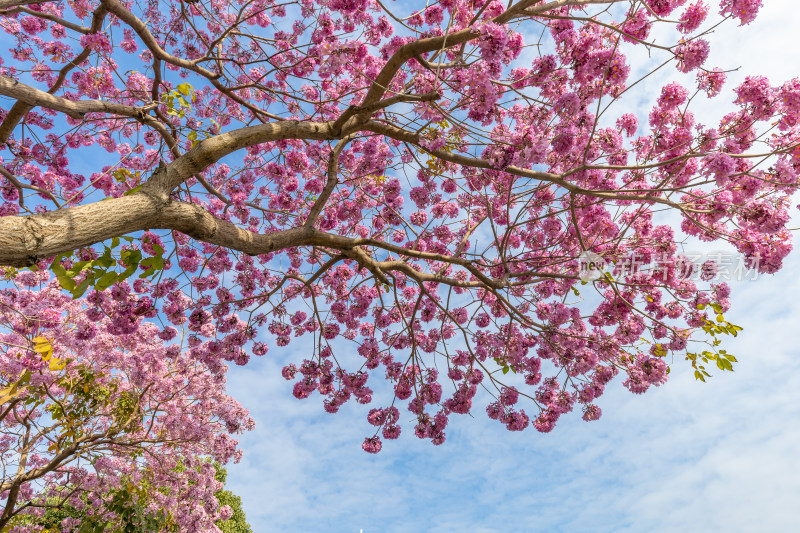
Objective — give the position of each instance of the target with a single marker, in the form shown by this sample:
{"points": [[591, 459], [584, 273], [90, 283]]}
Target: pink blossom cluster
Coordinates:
{"points": [[177, 411], [693, 17], [744, 10]]}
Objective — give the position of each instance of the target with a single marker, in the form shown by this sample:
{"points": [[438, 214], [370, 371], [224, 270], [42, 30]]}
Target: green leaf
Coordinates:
{"points": [[153, 264], [698, 375], [128, 272], [105, 281], [131, 258], [66, 282], [185, 89], [57, 259], [104, 260], [133, 191], [80, 289], [78, 267]]}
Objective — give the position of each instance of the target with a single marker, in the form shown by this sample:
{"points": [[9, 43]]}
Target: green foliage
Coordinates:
{"points": [[125, 411], [179, 102], [237, 523], [722, 358], [176, 101], [504, 366], [101, 273], [130, 504]]}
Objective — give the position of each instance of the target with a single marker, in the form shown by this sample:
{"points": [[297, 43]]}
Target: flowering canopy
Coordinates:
{"points": [[420, 185], [97, 419]]}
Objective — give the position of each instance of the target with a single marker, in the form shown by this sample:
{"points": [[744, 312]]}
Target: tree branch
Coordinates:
{"points": [[5, 4], [333, 179], [14, 88]]}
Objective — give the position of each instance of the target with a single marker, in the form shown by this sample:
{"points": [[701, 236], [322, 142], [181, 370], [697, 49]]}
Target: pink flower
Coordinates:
{"points": [[628, 123], [744, 10], [391, 432], [592, 412], [129, 43], [662, 8], [711, 82], [562, 142], [691, 54], [694, 15], [372, 445], [757, 92], [636, 26], [509, 396], [672, 95], [419, 218], [96, 41]]}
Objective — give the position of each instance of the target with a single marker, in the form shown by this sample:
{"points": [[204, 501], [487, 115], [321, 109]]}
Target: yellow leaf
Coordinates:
{"points": [[42, 345], [41, 341], [57, 364], [8, 393]]}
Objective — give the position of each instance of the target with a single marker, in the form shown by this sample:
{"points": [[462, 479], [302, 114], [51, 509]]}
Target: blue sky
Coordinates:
{"points": [[688, 456], [719, 456]]}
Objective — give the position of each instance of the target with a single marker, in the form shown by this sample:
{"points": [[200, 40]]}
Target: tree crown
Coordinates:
{"points": [[425, 187]]}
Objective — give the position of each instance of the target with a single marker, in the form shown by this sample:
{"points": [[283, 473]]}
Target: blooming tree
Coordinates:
{"points": [[132, 512], [404, 192], [113, 425]]}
